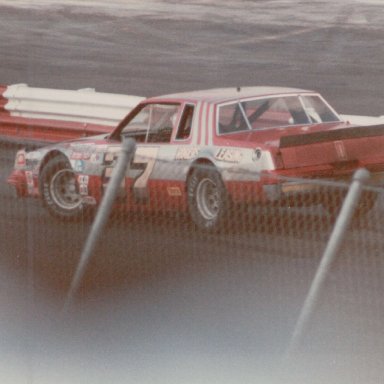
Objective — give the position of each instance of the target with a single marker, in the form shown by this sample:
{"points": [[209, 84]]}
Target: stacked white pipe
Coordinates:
{"points": [[83, 105]]}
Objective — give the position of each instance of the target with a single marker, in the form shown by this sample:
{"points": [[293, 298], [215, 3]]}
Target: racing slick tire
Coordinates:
{"points": [[208, 200], [59, 190]]}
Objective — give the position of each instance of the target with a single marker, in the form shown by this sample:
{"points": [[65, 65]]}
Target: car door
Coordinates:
{"points": [[155, 177]]}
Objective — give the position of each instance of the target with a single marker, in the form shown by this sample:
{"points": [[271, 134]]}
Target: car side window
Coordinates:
{"points": [[184, 129], [231, 119], [275, 112]]}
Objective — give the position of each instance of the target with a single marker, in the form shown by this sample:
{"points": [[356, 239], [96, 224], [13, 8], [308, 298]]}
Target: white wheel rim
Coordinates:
{"points": [[64, 191], [208, 199]]}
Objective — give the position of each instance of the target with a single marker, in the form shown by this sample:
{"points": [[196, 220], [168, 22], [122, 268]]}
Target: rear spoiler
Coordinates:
{"points": [[332, 135]]}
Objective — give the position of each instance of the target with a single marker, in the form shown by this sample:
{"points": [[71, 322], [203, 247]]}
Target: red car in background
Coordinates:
{"points": [[206, 152]]}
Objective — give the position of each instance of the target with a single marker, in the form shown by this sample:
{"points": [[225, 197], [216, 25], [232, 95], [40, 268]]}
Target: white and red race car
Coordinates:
{"points": [[205, 152]]}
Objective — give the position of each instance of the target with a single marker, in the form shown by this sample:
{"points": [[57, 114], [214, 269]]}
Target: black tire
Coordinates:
{"points": [[59, 190], [208, 201]]}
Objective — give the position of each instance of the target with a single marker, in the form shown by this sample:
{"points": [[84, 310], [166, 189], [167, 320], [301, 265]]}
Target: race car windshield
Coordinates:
{"points": [[273, 113], [153, 123]]}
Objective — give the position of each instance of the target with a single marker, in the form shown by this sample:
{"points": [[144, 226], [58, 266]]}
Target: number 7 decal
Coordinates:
{"points": [[144, 159]]}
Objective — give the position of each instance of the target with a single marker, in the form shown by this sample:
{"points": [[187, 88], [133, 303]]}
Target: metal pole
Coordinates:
{"points": [[337, 236], [125, 157]]}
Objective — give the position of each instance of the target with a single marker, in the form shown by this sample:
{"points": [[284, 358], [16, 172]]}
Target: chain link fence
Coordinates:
{"points": [[222, 307]]}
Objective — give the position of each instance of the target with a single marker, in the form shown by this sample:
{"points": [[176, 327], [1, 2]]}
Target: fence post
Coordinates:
{"points": [[334, 242], [118, 173]]}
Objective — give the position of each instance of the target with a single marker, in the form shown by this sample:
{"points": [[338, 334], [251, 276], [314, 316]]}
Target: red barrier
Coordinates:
{"points": [[42, 130]]}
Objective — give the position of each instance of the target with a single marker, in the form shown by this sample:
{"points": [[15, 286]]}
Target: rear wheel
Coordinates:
{"points": [[208, 201], [59, 189]]}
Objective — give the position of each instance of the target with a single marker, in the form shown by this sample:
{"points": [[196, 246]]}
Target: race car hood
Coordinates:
{"points": [[98, 139], [80, 149]]}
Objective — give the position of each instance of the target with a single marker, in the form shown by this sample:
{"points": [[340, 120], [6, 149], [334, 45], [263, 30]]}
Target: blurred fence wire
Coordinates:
{"points": [[244, 287]]}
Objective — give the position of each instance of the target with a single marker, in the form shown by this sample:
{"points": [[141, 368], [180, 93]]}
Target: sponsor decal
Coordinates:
{"points": [[89, 200], [28, 159], [340, 150], [81, 151], [83, 189], [109, 157], [83, 181], [30, 184], [229, 155], [186, 153], [80, 155], [76, 156], [32, 155], [20, 159], [107, 176], [112, 154], [29, 177], [80, 147], [96, 157], [108, 172], [174, 191], [78, 165]]}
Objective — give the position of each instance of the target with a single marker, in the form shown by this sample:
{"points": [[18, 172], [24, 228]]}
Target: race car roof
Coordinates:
{"points": [[218, 95]]}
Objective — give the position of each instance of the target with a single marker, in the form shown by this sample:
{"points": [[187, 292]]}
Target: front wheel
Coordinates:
{"points": [[59, 190], [208, 201]]}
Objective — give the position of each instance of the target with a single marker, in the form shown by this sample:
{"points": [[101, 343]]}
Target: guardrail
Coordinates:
{"points": [[50, 115]]}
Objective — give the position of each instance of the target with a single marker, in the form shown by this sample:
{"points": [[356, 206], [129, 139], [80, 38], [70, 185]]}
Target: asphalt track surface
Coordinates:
{"points": [[161, 302]]}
